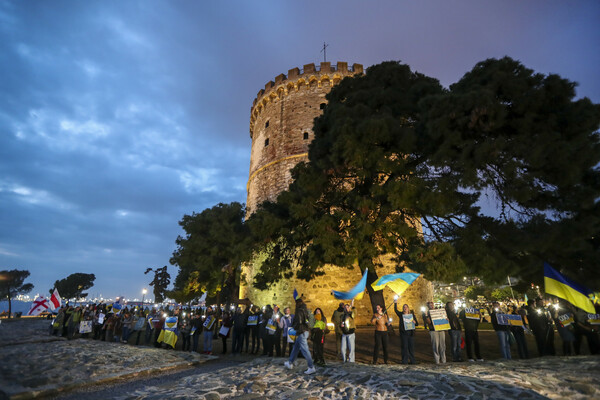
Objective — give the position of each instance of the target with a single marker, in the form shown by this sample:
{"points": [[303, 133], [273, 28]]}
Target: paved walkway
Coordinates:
{"points": [[32, 366], [555, 378]]}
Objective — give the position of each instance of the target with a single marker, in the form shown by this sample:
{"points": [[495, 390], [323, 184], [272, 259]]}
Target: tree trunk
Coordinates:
{"points": [[375, 296]]}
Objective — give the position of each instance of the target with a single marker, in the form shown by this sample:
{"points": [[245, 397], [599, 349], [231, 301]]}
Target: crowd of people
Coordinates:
{"points": [[270, 331]]}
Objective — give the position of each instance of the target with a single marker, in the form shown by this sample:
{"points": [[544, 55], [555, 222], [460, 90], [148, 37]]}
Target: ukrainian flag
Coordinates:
{"points": [[169, 332], [357, 292], [397, 282], [560, 286]]}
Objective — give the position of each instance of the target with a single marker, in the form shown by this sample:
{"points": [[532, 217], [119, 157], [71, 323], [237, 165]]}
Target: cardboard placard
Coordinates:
{"points": [[472, 313], [85, 326], [439, 318], [409, 322]]}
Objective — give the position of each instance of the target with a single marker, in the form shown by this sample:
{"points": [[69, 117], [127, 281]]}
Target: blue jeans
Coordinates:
{"points": [[208, 338], [301, 345], [455, 336], [504, 344], [348, 342]]}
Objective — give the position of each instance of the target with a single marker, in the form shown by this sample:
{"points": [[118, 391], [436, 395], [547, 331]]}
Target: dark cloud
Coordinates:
{"points": [[116, 119]]}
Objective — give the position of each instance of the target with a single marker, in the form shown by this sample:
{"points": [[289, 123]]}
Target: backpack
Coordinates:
{"points": [[347, 325]]}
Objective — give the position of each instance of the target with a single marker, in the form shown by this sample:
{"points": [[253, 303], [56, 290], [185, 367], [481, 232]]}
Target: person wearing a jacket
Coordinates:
{"points": [[407, 332], [300, 325]]}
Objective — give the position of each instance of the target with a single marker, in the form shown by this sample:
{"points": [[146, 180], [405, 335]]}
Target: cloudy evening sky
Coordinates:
{"points": [[119, 117]]}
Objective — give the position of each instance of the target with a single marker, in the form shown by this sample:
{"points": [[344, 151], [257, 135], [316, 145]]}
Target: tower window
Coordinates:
{"points": [[267, 124], [305, 135], [322, 106], [266, 142]]}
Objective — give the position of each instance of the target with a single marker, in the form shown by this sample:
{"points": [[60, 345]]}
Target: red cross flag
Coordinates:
{"points": [[55, 300], [39, 305]]}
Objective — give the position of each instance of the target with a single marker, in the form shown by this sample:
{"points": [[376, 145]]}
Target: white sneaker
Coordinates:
{"points": [[310, 371], [288, 365]]}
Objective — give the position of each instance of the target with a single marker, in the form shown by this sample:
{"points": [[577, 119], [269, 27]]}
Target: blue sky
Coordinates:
{"points": [[117, 118]]}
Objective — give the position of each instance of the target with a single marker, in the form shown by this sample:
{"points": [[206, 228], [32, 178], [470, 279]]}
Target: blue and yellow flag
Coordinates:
{"points": [[357, 292], [169, 332], [561, 286], [397, 282]]}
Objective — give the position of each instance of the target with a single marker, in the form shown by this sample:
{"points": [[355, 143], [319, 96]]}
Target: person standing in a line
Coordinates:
{"points": [[210, 324], [407, 332], [381, 333], [455, 332], [502, 331], [438, 340], [336, 319], [471, 324], [285, 323], [348, 327]]}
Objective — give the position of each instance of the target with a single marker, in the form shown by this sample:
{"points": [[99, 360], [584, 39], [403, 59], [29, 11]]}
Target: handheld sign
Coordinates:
{"points": [[472, 313], [509, 319], [252, 320], [224, 331], [271, 326], [101, 318], [210, 321], [409, 322], [85, 326], [566, 319], [439, 318], [594, 319]]}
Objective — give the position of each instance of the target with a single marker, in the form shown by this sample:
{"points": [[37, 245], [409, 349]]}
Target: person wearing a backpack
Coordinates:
{"points": [[300, 325], [348, 327]]}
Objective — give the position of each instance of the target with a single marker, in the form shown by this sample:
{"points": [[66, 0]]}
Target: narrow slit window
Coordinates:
{"points": [[305, 135], [267, 124], [322, 106], [266, 142]]}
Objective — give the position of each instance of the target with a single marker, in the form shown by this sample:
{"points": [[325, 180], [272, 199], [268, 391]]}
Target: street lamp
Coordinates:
{"points": [[144, 291]]}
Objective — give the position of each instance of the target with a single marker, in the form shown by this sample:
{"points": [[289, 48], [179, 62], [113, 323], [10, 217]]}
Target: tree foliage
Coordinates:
{"points": [[394, 152], [73, 286], [160, 283], [12, 283], [210, 253]]}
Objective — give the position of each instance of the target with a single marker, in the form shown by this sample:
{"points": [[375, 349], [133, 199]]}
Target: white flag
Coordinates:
{"points": [[55, 300], [39, 305]]}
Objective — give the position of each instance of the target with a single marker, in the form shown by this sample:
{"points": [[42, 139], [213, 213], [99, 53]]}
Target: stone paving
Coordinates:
{"points": [[31, 366], [555, 378]]}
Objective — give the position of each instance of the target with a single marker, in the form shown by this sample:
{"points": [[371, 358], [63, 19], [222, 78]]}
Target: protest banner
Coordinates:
{"points": [[85, 326], [566, 319], [409, 322], [509, 319], [472, 313], [252, 320], [439, 318], [594, 319]]}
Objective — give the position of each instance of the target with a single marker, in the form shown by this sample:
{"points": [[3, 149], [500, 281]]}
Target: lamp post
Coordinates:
{"points": [[144, 291]]}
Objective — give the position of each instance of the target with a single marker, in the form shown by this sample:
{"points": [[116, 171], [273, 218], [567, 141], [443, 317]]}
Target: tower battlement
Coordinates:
{"points": [[281, 128], [297, 79]]}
